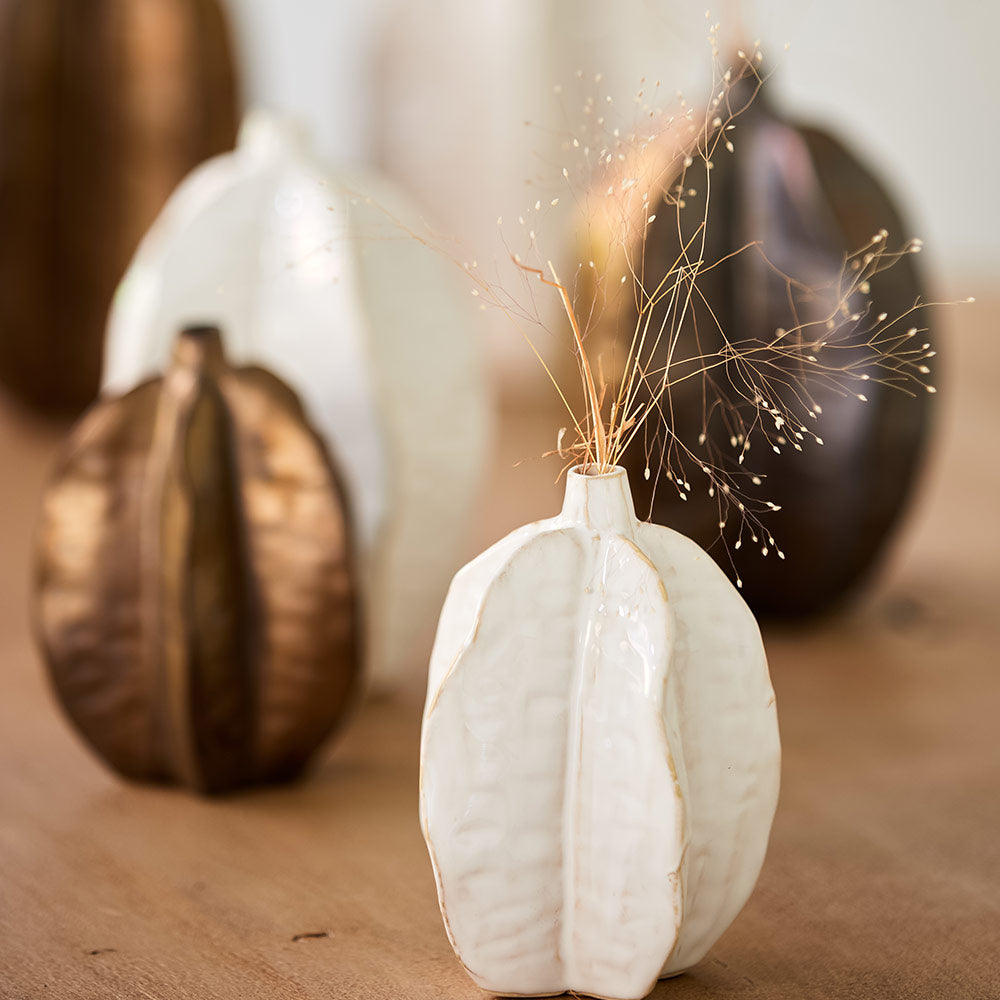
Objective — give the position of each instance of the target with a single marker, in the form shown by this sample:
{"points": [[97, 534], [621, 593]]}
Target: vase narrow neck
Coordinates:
{"points": [[601, 502]]}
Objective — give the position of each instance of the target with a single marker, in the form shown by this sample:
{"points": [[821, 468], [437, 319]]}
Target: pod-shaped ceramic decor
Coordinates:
{"points": [[374, 331], [599, 756], [195, 595], [808, 201], [104, 107]]}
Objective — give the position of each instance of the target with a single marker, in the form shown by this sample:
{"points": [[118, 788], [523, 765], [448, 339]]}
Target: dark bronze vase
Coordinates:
{"points": [[195, 595], [809, 202], [104, 107]]}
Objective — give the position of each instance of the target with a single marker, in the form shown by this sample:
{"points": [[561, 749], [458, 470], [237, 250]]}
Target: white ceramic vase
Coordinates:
{"points": [[309, 273], [599, 756]]}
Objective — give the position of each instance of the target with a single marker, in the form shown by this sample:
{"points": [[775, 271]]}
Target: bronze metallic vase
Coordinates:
{"points": [[809, 202], [195, 594], [104, 107]]}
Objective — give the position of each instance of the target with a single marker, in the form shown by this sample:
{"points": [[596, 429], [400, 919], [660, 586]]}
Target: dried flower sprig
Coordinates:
{"points": [[762, 390]]}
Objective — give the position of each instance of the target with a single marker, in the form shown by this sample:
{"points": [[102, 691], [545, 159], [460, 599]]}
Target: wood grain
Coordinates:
{"points": [[883, 875]]}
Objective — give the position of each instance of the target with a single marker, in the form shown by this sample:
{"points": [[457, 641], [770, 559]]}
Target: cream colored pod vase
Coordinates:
{"points": [[310, 274], [599, 756]]}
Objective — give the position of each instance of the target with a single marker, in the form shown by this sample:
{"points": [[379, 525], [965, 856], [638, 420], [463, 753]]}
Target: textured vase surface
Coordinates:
{"points": [[313, 277], [195, 594], [599, 756]]}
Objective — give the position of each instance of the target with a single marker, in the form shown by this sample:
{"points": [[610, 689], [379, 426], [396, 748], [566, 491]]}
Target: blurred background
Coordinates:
{"points": [[437, 95], [454, 102]]}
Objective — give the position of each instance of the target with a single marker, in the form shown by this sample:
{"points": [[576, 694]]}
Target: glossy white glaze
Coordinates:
{"points": [[308, 273], [599, 756]]}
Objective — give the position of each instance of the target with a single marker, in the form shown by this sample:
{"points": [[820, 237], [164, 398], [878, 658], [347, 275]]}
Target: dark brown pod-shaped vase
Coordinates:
{"points": [[104, 107], [195, 594], [809, 202]]}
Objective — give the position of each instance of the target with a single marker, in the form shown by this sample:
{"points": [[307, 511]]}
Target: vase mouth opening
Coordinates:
{"points": [[594, 471]]}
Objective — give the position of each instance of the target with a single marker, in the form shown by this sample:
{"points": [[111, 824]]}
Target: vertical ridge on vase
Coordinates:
{"points": [[730, 780], [217, 600], [629, 838], [200, 582], [271, 453], [571, 818], [162, 683], [502, 723]]}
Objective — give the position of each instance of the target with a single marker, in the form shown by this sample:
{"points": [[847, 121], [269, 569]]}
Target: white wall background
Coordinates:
{"points": [[436, 93]]}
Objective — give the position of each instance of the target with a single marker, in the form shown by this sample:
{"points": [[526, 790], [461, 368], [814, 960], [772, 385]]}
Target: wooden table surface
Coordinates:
{"points": [[883, 874]]}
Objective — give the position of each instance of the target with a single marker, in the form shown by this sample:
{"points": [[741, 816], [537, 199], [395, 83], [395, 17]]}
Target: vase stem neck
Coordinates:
{"points": [[602, 502]]}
